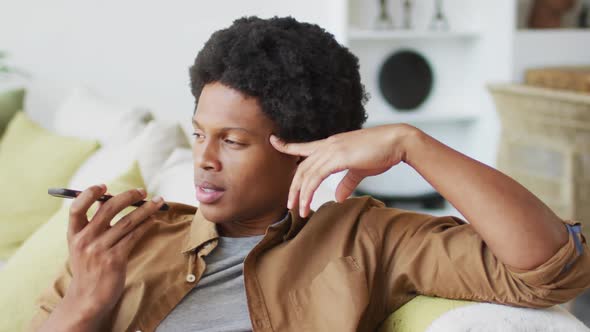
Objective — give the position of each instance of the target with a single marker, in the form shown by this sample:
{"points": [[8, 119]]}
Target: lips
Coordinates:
{"points": [[208, 193]]}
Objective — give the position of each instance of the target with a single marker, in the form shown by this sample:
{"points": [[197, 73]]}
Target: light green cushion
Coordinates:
{"points": [[35, 265], [33, 159], [419, 313], [10, 102]]}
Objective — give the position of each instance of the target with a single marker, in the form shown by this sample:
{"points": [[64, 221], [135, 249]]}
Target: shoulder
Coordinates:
{"points": [[356, 205], [355, 213], [361, 208], [380, 220]]}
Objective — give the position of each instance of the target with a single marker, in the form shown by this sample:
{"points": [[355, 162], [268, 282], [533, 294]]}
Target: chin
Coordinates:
{"points": [[215, 213]]}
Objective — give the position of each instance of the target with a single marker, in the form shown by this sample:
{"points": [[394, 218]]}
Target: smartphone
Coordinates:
{"points": [[71, 193]]}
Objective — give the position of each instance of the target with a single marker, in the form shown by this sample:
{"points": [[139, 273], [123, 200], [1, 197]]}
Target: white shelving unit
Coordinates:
{"points": [[356, 34], [425, 117], [476, 50], [484, 45]]}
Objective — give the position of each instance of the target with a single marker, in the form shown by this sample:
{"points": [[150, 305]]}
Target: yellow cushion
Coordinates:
{"points": [[33, 159], [36, 263], [419, 313], [10, 102]]}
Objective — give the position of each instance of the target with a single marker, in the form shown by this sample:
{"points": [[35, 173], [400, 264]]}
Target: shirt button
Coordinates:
{"points": [[191, 278]]}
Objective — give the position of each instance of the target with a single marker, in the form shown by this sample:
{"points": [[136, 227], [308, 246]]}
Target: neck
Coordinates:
{"points": [[250, 227]]}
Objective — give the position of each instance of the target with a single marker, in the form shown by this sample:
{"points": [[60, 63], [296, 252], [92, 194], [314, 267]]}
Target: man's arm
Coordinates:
{"points": [[519, 229], [516, 251]]}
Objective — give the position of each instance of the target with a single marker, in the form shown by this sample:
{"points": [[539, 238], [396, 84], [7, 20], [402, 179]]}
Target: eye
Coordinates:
{"points": [[230, 142], [197, 135]]}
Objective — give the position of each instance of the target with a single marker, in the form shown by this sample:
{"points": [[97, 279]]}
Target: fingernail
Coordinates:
{"points": [[102, 186], [289, 205], [157, 199], [141, 191]]}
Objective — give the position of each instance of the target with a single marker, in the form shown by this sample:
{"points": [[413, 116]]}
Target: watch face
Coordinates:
{"points": [[405, 80]]}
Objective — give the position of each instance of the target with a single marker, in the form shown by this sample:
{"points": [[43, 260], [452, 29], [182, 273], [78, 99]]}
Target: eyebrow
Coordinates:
{"points": [[225, 128]]}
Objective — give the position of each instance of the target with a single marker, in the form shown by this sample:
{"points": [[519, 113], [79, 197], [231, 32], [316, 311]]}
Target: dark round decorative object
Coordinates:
{"points": [[405, 80]]}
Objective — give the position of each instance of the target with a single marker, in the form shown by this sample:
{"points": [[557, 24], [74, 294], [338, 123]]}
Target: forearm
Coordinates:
{"points": [[519, 229]]}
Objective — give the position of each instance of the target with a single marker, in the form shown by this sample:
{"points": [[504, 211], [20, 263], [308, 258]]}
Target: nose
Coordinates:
{"points": [[206, 156]]}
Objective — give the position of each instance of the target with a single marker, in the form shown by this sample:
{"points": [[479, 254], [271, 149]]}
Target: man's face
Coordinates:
{"points": [[239, 176]]}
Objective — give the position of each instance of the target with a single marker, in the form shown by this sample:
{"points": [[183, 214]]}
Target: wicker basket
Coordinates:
{"points": [[545, 145], [575, 79]]}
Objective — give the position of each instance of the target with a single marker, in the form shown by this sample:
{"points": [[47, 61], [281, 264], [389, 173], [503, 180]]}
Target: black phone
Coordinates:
{"points": [[71, 193]]}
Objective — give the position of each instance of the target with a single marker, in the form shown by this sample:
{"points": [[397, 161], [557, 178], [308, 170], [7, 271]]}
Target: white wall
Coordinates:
{"points": [[539, 48], [131, 51], [138, 52], [497, 24]]}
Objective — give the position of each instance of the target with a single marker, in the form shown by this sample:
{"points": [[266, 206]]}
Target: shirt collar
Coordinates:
{"points": [[203, 230]]}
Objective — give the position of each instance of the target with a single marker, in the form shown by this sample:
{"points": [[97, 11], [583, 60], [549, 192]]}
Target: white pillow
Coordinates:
{"points": [[496, 317], [174, 180], [151, 148], [86, 115]]}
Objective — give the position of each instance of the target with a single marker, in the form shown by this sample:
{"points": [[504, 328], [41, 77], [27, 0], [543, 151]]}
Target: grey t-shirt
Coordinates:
{"points": [[218, 302]]}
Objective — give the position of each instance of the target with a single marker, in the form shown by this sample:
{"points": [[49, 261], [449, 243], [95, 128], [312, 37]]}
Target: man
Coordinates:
{"points": [[279, 107]]}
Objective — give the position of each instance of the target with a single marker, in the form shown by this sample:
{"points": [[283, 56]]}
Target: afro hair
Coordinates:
{"points": [[304, 80]]}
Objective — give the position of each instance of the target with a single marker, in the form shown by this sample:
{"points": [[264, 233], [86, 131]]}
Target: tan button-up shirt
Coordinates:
{"points": [[345, 268]]}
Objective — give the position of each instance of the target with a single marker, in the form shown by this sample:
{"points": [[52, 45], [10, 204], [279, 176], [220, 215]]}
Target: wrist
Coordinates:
{"points": [[407, 138], [82, 309], [72, 315]]}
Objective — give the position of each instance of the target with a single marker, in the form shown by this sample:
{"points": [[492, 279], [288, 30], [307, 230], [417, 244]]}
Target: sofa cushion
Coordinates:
{"points": [[84, 114], [175, 179], [33, 159], [11, 101], [151, 148], [36, 263]]}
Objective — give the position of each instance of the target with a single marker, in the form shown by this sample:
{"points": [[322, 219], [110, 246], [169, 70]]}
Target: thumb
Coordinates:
{"points": [[348, 184]]}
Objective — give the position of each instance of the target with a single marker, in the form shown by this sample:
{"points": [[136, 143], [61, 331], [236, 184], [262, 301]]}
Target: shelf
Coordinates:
{"points": [[418, 118], [367, 34], [554, 31], [581, 35]]}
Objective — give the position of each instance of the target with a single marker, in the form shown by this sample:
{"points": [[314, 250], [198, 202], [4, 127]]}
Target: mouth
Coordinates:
{"points": [[208, 193]]}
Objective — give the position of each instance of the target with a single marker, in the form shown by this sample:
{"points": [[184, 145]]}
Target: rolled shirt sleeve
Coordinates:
{"points": [[50, 298], [446, 257], [566, 274]]}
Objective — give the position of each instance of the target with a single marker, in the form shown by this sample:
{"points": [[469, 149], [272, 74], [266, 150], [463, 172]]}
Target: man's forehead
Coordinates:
{"points": [[224, 126]]}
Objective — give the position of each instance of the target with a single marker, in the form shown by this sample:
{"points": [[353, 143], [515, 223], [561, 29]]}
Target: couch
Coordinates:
{"points": [[92, 140]]}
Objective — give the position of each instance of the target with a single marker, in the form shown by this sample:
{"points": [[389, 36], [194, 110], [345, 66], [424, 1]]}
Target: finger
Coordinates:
{"points": [[100, 203], [298, 179], [102, 218], [296, 149], [129, 222], [79, 208], [348, 184], [126, 244], [315, 175]]}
